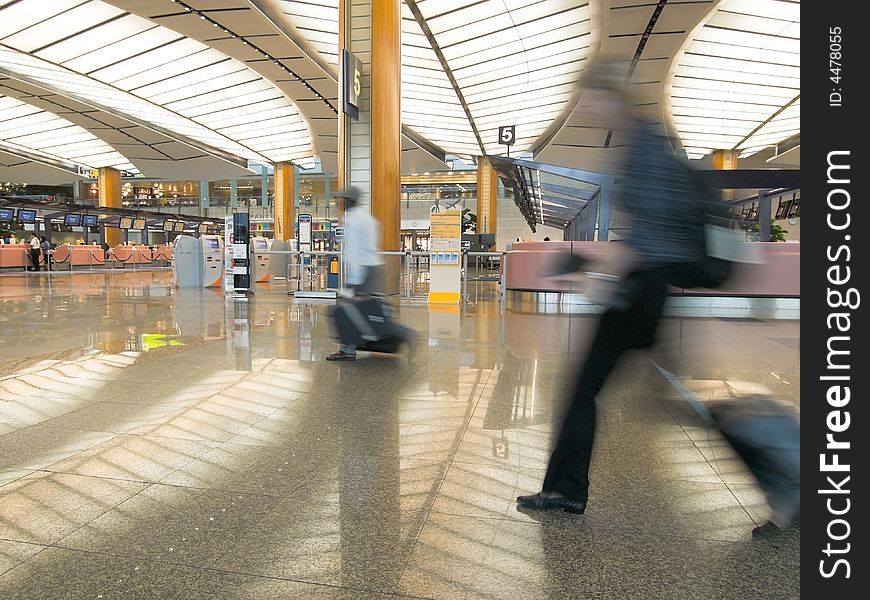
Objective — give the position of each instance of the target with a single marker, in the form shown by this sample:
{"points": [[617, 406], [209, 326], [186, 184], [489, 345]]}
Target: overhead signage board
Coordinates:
{"points": [[351, 81], [507, 135]]}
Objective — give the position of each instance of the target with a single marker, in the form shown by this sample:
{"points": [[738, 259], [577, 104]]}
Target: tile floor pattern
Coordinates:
{"points": [[162, 444]]}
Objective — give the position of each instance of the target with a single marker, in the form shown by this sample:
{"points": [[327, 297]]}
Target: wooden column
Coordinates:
{"points": [[724, 159], [284, 195], [370, 147], [386, 119], [109, 189], [487, 196]]}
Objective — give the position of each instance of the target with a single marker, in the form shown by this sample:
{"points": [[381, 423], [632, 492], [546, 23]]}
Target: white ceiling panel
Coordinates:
{"points": [[42, 133], [149, 74], [737, 86]]}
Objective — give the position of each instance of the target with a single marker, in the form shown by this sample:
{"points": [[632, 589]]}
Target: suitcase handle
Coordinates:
{"points": [[686, 393]]}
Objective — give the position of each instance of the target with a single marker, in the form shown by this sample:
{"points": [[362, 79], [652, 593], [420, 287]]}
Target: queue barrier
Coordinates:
{"points": [[305, 267]]}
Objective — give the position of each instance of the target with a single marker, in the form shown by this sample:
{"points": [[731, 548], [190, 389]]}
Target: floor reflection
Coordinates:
{"points": [[184, 435]]}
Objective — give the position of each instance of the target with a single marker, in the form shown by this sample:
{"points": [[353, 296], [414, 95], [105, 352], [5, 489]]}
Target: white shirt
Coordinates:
{"points": [[35, 243], [361, 244]]}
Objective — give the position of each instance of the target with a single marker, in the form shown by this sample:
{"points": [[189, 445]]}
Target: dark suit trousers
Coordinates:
{"points": [[618, 331]]}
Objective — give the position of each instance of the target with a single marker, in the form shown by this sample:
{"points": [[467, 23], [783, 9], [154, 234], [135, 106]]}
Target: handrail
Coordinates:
{"points": [[299, 268]]}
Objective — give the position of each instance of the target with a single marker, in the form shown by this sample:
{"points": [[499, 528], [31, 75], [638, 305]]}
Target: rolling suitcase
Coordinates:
{"points": [[765, 433], [367, 324]]}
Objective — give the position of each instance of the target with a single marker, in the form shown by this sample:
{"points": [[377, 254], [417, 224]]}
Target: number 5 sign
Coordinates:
{"points": [[507, 134]]}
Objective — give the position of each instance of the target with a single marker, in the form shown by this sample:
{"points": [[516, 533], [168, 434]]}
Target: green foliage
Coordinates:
{"points": [[777, 233]]}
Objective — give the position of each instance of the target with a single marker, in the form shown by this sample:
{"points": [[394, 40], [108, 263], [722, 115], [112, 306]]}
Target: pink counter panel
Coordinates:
{"points": [[14, 255], [778, 276]]}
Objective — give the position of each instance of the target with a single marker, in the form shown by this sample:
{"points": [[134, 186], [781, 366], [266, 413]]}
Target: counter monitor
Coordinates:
{"points": [[26, 215]]}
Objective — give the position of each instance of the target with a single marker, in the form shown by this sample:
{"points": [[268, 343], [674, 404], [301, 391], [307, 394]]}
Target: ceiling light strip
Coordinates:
{"points": [[264, 55], [424, 27], [767, 121]]}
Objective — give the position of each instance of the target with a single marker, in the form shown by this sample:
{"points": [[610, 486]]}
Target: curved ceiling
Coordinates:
{"points": [[511, 62], [255, 80], [154, 75], [736, 84], [470, 66], [27, 128]]}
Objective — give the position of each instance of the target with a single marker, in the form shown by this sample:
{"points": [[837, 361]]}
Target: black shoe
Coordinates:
{"points": [[767, 530], [546, 502], [341, 355], [772, 530]]}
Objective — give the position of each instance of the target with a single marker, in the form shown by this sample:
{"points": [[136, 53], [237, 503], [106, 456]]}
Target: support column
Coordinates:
{"points": [[203, 194], [370, 148], [109, 193], [327, 195], [487, 196], [387, 118], [764, 215], [725, 160], [264, 186], [234, 193], [284, 200]]}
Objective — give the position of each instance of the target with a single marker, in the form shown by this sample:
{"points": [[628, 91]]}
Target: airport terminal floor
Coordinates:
{"points": [[157, 443]]}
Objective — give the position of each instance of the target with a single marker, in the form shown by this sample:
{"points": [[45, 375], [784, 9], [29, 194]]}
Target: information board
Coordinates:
{"points": [[445, 244]]}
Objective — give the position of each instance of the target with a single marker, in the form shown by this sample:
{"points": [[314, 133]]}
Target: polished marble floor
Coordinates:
{"points": [[158, 444]]}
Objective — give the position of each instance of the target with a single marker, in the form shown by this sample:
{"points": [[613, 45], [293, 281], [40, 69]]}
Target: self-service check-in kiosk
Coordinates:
{"points": [[212, 260], [279, 263], [197, 262], [261, 261], [187, 262]]}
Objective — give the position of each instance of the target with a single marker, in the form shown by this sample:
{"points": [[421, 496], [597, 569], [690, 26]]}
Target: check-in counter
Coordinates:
{"points": [[67, 255], [14, 256], [777, 275]]}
